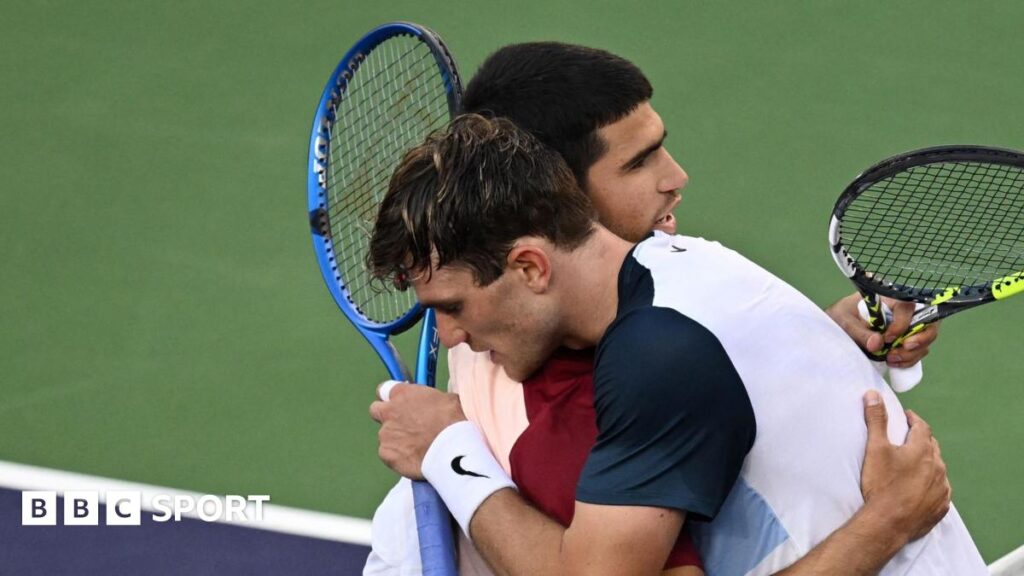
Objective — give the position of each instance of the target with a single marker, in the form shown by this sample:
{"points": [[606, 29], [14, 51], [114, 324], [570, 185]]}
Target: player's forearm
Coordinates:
{"points": [[515, 538], [861, 547], [603, 540]]}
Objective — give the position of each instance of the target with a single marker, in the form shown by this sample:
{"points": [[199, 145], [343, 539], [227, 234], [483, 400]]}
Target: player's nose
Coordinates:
{"points": [[448, 331], [674, 178]]}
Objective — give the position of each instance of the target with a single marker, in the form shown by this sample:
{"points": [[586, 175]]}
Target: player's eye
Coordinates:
{"points": [[642, 161], [451, 309]]}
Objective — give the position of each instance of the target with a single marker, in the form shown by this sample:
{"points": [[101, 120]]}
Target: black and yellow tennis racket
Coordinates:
{"points": [[943, 227]]}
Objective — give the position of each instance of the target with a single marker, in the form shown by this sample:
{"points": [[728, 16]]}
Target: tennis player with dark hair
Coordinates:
{"points": [[695, 417], [574, 99], [586, 104]]}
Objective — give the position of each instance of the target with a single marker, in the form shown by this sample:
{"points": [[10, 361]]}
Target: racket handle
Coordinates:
{"points": [[434, 527], [900, 379], [433, 522]]}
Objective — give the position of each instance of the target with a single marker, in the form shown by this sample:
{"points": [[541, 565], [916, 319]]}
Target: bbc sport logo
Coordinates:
{"points": [[124, 507]]}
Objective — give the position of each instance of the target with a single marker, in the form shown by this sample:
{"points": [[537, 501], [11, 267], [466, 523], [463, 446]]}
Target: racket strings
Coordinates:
{"points": [[368, 139], [396, 97], [962, 214], [373, 140], [354, 204], [942, 225], [367, 176], [364, 206]]}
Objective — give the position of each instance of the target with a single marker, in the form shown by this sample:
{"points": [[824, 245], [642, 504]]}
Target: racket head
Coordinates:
{"points": [[937, 225], [393, 87]]}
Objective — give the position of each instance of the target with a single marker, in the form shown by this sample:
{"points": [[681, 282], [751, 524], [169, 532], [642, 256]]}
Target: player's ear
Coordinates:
{"points": [[530, 261]]}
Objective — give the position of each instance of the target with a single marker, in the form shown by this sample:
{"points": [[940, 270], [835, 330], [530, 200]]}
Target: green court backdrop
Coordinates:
{"points": [[162, 319]]}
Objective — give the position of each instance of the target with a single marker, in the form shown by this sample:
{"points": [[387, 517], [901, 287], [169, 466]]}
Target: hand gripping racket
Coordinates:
{"points": [[942, 227], [393, 87]]}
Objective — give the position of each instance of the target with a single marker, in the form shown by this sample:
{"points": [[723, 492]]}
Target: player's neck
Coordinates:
{"points": [[591, 296]]}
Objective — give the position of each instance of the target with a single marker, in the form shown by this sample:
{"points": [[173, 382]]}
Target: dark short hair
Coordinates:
{"points": [[464, 196], [560, 93]]}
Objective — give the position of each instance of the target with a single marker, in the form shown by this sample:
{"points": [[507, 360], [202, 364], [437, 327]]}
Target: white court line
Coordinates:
{"points": [[1010, 565], [275, 518]]}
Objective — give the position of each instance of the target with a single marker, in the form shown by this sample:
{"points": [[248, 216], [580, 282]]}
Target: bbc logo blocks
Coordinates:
{"points": [[81, 508], [38, 508], [124, 507]]}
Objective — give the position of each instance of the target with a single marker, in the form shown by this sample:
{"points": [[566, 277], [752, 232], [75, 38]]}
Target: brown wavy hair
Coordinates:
{"points": [[464, 196]]}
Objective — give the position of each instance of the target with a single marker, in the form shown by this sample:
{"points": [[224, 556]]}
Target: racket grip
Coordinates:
{"points": [[434, 527], [900, 379]]}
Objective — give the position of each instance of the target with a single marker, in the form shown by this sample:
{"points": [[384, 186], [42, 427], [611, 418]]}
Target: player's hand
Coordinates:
{"points": [[410, 419], [845, 314], [907, 484]]}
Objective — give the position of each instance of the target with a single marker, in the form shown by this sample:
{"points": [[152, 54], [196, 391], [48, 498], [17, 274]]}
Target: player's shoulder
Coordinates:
{"points": [[664, 337], [651, 323], [656, 363], [660, 242], [657, 352], [689, 256]]}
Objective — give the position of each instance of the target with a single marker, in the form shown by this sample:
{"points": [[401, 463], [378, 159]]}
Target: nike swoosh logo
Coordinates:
{"points": [[457, 467], [678, 249]]}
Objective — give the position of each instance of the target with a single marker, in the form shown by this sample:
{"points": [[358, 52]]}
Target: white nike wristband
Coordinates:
{"points": [[463, 471]]}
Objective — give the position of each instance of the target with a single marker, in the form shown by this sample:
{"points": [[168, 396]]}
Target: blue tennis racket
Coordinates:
{"points": [[393, 87]]}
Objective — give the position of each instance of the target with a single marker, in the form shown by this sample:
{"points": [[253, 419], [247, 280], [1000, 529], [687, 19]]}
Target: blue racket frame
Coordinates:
{"points": [[434, 526]]}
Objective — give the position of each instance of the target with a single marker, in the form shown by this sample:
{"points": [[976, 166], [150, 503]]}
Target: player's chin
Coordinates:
{"points": [[517, 367], [504, 361]]}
